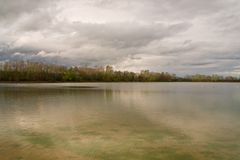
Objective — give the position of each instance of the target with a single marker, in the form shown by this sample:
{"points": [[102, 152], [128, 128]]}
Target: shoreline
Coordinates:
{"points": [[41, 82]]}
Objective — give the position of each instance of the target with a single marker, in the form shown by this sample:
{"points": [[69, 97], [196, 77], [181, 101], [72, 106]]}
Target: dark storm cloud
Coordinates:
{"points": [[22, 53]]}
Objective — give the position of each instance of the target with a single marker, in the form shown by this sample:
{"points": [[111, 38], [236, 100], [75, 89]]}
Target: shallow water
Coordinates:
{"points": [[119, 121]]}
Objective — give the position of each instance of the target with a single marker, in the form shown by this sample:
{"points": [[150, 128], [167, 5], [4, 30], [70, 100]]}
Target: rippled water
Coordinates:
{"points": [[119, 121]]}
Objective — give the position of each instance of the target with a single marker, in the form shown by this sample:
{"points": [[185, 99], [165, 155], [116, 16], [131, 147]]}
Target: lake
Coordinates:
{"points": [[120, 121]]}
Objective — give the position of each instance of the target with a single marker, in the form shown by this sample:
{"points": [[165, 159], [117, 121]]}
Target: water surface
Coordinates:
{"points": [[119, 121]]}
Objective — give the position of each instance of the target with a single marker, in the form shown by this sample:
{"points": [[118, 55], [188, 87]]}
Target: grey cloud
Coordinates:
{"points": [[199, 64], [233, 57], [227, 23], [34, 22], [11, 9], [125, 35], [170, 9], [177, 36]]}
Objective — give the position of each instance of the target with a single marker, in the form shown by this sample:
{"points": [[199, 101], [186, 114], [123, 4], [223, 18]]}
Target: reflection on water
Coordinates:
{"points": [[174, 121]]}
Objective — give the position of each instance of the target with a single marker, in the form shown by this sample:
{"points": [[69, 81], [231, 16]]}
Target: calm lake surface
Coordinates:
{"points": [[120, 121]]}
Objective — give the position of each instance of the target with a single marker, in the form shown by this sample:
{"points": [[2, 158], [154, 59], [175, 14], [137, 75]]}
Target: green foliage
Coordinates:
{"points": [[69, 76], [21, 71]]}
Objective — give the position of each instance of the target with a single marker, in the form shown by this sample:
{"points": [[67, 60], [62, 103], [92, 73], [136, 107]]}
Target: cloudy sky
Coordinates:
{"points": [[179, 36]]}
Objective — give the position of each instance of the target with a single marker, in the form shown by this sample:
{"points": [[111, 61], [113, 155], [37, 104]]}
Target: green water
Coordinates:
{"points": [[120, 121]]}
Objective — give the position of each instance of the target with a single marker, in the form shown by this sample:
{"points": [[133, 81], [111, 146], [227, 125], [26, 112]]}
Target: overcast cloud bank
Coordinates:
{"points": [[180, 36]]}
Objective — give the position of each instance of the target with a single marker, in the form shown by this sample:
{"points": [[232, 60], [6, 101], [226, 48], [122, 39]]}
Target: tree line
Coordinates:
{"points": [[26, 71]]}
